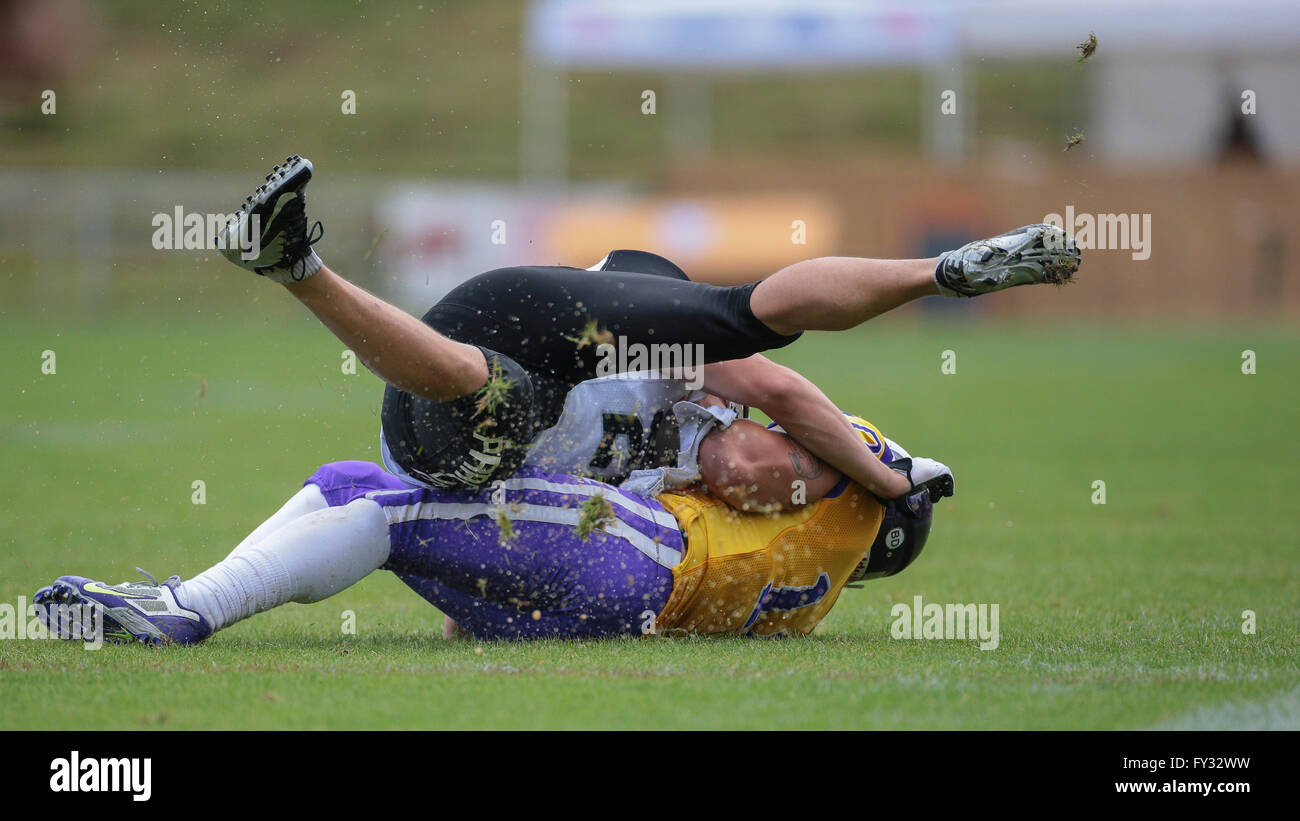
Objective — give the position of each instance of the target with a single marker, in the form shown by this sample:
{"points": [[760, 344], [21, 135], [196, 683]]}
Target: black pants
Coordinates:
{"points": [[539, 329]]}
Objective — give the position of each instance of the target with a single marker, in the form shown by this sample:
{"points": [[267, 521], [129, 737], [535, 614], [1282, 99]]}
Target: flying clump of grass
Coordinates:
{"points": [[505, 527], [493, 396], [592, 334], [595, 513], [1088, 47], [1060, 272]]}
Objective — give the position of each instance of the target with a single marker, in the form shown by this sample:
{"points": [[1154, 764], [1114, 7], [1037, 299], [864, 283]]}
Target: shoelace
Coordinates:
{"points": [[302, 252], [294, 249], [153, 581]]}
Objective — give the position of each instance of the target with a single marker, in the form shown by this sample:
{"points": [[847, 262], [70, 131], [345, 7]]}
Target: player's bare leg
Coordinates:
{"points": [[829, 293], [835, 293], [399, 348], [269, 236]]}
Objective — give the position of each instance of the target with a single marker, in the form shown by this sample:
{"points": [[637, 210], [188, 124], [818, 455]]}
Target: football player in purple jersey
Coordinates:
{"points": [[537, 555]]}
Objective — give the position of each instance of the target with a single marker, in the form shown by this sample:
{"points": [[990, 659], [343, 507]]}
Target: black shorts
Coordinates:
{"points": [[534, 326]]}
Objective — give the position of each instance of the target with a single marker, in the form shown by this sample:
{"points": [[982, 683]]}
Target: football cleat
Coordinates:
{"points": [[269, 235], [129, 612], [1025, 256]]}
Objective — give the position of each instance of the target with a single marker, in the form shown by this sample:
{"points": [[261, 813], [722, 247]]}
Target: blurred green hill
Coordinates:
{"points": [[226, 85]]}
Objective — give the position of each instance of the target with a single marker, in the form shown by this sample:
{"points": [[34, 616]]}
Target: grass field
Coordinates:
{"points": [[1123, 615]]}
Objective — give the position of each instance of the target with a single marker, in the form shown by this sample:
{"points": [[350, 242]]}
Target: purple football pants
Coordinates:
{"points": [[540, 580]]}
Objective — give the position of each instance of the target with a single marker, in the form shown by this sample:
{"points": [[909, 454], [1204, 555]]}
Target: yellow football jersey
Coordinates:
{"points": [[768, 574]]}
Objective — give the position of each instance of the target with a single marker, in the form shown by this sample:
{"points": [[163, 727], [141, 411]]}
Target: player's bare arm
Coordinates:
{"points": [[807, 415]]}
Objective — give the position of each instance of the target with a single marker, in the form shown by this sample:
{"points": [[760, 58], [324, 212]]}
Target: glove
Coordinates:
{"points": [[925, 474]]}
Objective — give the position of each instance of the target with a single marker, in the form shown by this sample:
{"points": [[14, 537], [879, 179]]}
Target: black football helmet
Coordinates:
{"points": [[900, 539]]}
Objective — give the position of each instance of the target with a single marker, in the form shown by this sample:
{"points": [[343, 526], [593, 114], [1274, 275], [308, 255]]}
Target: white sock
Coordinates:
{"points": [[305, 559], [307, 500], [309, 265], [297, 272]]}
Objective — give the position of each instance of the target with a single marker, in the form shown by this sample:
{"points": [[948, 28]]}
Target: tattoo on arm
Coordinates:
{"points": [[806, 466]]}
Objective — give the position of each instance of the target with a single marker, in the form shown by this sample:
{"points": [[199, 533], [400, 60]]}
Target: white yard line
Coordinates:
{"points": [[1282, 712]]}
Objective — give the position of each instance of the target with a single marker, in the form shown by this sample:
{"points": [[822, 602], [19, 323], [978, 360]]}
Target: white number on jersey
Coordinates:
{"points": [[612, 426]]}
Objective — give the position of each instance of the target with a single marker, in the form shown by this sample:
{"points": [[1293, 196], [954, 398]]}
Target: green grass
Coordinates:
{"points": [[1125, 615]]}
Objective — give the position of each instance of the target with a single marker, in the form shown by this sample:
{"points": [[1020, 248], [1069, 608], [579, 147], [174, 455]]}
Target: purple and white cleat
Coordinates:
{"points": [[131, 611]]}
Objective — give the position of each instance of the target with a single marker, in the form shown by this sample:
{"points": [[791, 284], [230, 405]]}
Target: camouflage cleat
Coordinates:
{"points": [[1026, 256], [268, 235]]}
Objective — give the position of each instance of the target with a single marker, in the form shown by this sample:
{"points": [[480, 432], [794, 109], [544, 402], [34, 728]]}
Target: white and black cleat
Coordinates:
{"points": [[1026, 256], [269, 235]]}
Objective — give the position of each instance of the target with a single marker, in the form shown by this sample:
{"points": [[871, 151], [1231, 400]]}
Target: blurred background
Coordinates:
{"points": [[733, 137], [1125, 447]]}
